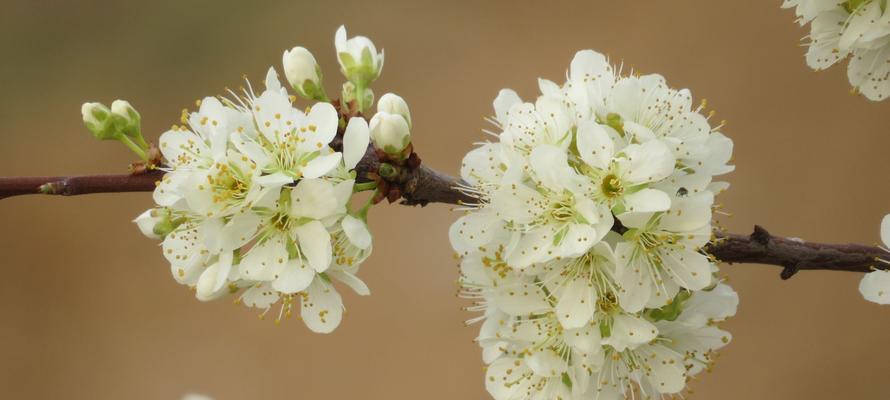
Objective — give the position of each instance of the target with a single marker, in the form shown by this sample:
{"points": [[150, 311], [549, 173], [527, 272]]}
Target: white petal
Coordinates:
{"points": [[875, 287], [260, 295], [355, 141], [508, 378], [635, 287], [272, 83], [629, 331], [532, 247], [520, 296], [586, 339], [263, 259], [576, 303], [517, 203], [577, 240], [352, 281], [594, 145], [321, 127], [277, 179], [666, 371], [648, 162], [314, 198], [315, 243], [214, 278], [551, 168], [240, 230], [474, 230], [690, 269], [357, 232], [322, 307], [647, 200], [294, 277], [170, 190], [321, 165], [506, 99], [546, 362]]}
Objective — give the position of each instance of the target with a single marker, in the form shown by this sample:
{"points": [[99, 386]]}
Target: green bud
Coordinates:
{"points": [[128, 121], [98, 120], [387, 171], [348, 92]]}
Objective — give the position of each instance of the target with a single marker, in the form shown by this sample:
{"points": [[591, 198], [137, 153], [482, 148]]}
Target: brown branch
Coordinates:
{"points": [[77, 185], [419, 186], [794, 255], [423, 185]]}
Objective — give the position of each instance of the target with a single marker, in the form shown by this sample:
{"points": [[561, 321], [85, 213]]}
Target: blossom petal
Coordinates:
{"points": [[875, 287], [594, 145], [648, 162], [322, 307], [321, 165], [630, 331], [315, 243], [647, 200], [352, 281], [294, 277], [576, 303], [356, 231], [314, 198], [355, 141]]}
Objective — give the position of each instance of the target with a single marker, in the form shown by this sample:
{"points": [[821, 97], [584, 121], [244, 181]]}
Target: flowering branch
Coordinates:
{"points": [[426, 185], [420, 186]]}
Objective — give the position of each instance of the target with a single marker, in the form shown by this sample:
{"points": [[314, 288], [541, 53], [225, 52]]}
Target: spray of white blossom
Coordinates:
{"points": [[583, 250]]}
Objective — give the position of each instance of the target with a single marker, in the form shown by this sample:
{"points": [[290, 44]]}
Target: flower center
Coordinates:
{"points": [[611, 186]]}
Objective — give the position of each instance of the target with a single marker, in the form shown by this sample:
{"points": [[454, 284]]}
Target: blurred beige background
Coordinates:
{"points": [[89, 310]]}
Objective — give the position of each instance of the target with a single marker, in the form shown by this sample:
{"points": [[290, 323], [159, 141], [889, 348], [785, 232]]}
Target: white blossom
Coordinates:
{"points": [[857, 29], [584, 243], [255, 202]]}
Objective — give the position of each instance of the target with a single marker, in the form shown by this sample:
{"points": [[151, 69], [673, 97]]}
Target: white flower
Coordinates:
{"points": [[859, 29], [256, 201], [875, 285], [390, 132], [394, 104], [359, 60], [592, 206], [303, 73]]}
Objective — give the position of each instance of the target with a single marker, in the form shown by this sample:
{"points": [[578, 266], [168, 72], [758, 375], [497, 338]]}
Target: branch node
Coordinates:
{"points": [[760, 235], [789, 270]]}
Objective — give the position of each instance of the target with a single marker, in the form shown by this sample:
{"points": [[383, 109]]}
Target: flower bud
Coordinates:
{"points": [[97, 118], [359, 60], [154, 223], [303, 73], [390, 132], [128, 120], [394, 104]]}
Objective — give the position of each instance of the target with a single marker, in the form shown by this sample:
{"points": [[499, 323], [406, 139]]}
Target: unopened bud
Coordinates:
{"points": [[394, 104], [155, 223], [97, 118], [303, 73], [390, 132], [358, 57]]}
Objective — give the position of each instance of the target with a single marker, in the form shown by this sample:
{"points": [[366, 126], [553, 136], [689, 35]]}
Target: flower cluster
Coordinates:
{"points": [[875, 285], [584, 248], [256, 200], [856, 28]]}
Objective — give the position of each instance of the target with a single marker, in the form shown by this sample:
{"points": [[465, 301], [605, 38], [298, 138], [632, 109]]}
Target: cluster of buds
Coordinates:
{"points": [[121, 122]]}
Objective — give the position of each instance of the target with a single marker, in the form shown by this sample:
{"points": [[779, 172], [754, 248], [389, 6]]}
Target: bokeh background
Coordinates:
{"points": [[88, 309]]}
